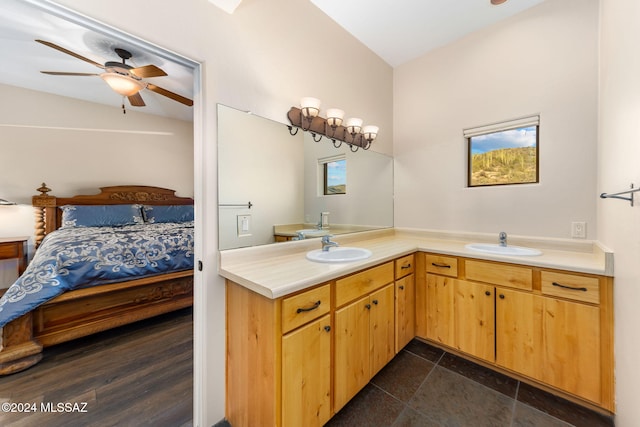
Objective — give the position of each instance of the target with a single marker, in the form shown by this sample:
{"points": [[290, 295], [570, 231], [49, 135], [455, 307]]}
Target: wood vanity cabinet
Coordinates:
{"points": [[364, 329], [278, 358], [567, 332], [296, 360], [549, 326], [405, 300], [306, 374]]}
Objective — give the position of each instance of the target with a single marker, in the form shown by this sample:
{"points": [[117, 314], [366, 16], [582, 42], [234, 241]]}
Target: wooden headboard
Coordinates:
{"points": [[49, 214]]}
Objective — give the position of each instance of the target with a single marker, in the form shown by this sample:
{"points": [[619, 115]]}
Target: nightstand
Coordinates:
{"points": [[14, 248]]}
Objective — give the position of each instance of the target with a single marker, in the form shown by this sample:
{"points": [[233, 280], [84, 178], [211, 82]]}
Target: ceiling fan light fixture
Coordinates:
{"points": [[498, 2], [124, 85]]}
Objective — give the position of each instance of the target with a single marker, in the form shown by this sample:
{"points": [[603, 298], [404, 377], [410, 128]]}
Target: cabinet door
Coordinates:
{"points": [[572, 350], [405, 311], [474, 319], [519, 342], [382, 328], [440, 309], [306, 374], [352, 354]]}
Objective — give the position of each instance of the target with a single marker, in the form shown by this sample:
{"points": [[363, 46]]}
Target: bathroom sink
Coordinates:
{"points": [[313, 232], [496, 249], [339, 254]]}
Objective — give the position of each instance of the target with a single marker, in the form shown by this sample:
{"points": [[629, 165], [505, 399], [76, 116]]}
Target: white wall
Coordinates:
{"points": [[263, 58], [369, 198], [76, 147], [269, 173], [619, 159], [543, 60]]}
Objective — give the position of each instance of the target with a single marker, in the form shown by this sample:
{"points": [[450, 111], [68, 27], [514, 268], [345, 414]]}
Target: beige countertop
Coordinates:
{"points": [[279, 269], [291, 230]]}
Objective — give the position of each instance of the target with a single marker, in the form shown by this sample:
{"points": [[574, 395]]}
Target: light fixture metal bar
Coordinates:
{"points": [[319, 126]]}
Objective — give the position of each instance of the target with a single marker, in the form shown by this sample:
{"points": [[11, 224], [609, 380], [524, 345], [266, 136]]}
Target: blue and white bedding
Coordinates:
{"points": [[79, 257]]}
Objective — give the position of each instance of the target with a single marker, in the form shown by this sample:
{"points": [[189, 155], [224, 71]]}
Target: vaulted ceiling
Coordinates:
{"points": [[397, 31]]}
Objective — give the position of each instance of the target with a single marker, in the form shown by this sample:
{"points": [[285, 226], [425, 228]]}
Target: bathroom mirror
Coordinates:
{"points": [[281, 176]]}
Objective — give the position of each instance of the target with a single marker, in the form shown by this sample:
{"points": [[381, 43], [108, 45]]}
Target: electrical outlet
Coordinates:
{"points": [[579, 230]]}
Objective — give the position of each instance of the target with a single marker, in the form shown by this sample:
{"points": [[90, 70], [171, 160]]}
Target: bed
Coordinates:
{"points": [[79, 298]]}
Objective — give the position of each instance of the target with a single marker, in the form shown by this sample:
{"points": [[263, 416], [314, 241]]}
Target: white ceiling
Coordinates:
{"points": [[23, 59], [397, 30], [402, 30]]}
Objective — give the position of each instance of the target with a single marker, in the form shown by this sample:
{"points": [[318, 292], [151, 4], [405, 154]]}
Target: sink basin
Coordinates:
{"points": [[313, 232], [496, 249], [339, 254]]}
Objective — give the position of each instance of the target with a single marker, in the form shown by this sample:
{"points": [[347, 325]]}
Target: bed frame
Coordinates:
{"points": [[86, 311]]}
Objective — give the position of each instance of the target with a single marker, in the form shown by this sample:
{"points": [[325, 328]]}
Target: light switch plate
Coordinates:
{"points": [[244, 225]]}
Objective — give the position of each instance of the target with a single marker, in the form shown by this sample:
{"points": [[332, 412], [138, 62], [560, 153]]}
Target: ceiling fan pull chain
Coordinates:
{"points": [[124, 110]]}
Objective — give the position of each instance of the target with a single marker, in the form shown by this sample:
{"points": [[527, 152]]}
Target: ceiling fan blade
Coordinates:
{"points": [[148, 71], [136, 100], [169, 94], [62, 73], [68, 52]]}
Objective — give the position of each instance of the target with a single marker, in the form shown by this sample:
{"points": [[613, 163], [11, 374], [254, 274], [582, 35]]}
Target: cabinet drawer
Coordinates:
{"points": [[500, 274], [8, 250], [305, 307], [405, 266], [359, 284], [580, 288], [444, 265]]}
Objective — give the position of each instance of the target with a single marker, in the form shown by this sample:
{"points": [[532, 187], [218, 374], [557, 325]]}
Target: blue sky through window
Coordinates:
{"points": [[513, 138], [336, 173]]}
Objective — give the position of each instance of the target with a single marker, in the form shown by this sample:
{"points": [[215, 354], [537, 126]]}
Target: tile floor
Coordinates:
{"points": [[427, 387]]}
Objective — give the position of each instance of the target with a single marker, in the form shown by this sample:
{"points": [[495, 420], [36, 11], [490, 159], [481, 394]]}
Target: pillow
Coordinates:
{"points": [[172, 213], [101, 215]]}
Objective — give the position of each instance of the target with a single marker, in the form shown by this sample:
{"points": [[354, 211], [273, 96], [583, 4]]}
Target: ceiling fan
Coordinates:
{"points": [[122, 77]]}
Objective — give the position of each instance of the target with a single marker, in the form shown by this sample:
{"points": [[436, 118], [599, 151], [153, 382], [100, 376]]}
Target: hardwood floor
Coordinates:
{"points": [[135, 375]]}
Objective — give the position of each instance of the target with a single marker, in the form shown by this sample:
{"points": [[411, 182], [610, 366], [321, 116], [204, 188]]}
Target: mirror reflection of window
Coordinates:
{"points": [[335, 177]]}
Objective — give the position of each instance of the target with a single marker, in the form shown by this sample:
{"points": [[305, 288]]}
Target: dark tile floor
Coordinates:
{"points": [[425, 386]]}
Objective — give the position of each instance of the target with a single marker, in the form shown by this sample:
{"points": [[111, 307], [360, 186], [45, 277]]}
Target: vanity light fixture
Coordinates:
{"points": [[310, 108], [369, 133], [353, 125], [308, 118]]}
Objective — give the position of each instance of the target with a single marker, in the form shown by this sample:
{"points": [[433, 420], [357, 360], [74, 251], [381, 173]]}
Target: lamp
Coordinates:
{"points": [[310, 106], [4, 202], [334, 117], [369, 133], [124, 85], [353, 126], [334, 120], [333, 127]]}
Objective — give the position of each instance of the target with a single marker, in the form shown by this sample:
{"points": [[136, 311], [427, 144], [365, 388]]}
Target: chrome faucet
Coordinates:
{"points": [[327, 243], [503, 238]]}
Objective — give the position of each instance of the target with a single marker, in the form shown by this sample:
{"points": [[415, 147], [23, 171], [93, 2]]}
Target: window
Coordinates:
{"points": [[334, 174], [503, 153]]}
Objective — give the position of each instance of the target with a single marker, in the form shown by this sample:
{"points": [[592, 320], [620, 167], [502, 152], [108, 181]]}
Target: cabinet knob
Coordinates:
{"points": [[327, 328], [375, 301], [401, 287], [501, 296], [368, 306], [487, 293]]}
